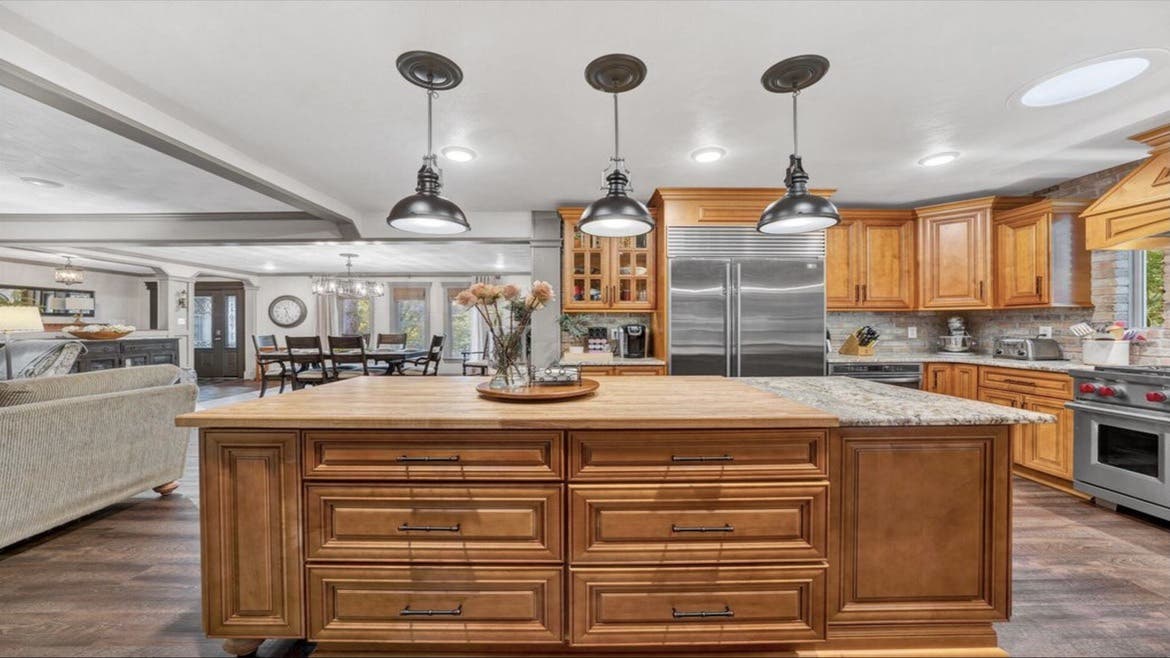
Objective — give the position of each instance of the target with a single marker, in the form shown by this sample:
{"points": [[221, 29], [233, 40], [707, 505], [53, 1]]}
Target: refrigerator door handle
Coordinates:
{"points": [[728, 296], [738, 318]]}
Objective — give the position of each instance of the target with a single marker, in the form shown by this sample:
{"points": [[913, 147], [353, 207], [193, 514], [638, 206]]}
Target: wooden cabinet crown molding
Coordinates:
{"points": [[992, 203], [1135, 213], [717, 206]]}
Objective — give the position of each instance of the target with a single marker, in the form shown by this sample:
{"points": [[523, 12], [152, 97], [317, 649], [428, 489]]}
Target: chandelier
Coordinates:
{"points": [[69, 274], [347, 287]]}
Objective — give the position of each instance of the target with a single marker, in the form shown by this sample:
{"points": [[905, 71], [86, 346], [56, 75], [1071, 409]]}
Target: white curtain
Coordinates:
{"points": [[326, 315]]}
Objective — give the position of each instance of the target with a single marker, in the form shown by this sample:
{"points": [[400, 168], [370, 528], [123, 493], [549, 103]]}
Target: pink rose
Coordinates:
{"points": [[541, 294], [511, 291], [465, 298]]}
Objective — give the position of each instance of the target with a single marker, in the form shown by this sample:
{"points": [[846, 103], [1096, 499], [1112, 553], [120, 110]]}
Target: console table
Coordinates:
{"points": [[106, 354]]}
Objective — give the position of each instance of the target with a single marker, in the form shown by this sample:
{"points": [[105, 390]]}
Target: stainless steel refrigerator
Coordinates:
{"points": [[746, 305]]}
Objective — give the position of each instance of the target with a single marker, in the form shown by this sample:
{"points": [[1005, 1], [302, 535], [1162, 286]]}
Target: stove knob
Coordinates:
{"points": [[1088, 388], [1156, 396], [1111, 392]]}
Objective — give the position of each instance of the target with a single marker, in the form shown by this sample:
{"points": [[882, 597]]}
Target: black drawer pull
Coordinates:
{"points": [[721, 458], [428, 528], [408, 459], [407, 612], [726, 527], [702, 614]]}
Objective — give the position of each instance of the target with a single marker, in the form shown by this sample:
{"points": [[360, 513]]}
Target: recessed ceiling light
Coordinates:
{"points": [[708, 154], [458, 154], [41, 182], [937, 159], [269, 266], [1088, 78]]}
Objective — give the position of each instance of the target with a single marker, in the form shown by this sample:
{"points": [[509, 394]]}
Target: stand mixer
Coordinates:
{"points": [[957, 339]]}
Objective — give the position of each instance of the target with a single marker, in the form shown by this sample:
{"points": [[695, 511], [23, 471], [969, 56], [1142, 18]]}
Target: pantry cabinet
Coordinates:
{"points": [[1040, 256], [607, 274], [955, 250], [870, 260]]}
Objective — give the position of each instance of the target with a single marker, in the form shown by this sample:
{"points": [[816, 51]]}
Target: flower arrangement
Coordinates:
{"points": [[507, 312]]}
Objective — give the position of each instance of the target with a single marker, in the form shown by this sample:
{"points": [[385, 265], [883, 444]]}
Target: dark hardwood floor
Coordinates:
{"points": [[125, 581]]}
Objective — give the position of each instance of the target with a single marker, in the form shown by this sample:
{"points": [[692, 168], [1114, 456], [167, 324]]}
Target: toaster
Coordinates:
{"points": [[1028, 349]]}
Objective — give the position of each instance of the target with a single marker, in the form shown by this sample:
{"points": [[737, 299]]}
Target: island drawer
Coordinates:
{"points": [[727, 606], [697, 455], [442, 605], [1050, 384], [675, 523], [514, 523], [421, 455]]}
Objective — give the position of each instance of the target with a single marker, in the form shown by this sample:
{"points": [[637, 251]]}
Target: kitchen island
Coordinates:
{"points": [[662, 516]]}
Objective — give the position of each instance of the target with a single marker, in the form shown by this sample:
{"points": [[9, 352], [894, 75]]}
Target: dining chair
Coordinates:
{"points": [[268, 370], [391, 340], [307, 361], [434, 356], [350, 353], [474, 363]]}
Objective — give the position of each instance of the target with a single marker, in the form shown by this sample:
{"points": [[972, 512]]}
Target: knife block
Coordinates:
{"points": [[852, 348]]}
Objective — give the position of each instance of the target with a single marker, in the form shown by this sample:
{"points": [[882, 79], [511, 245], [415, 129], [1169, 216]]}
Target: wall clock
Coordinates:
{"points": [[287, 311]]}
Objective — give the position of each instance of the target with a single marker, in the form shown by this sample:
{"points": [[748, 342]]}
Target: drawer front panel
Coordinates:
{"points": [[439, 524], [661, 524], [696, 455], [650, 607], [470, 456], [466, 605], [1050, 384]]}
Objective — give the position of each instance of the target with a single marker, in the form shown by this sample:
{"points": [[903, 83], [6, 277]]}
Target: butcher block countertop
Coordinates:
{"points": [[452, 403]]}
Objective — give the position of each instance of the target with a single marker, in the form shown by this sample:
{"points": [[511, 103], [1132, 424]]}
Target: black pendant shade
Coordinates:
{"points": [[426, 211], [616, 214], [797, 211]]}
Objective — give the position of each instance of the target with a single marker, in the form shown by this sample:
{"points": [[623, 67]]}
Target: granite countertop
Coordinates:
{"points": [[857, 402], [574, 359], [956, 357]]}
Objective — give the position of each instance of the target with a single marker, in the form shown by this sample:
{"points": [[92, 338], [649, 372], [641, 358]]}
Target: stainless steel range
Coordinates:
{"points": [[1121, 445]]}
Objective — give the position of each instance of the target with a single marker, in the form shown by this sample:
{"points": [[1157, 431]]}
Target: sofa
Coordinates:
{"points": [[73, 444]]}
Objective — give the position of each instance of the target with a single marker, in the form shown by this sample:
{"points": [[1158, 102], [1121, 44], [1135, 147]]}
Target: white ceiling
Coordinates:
{"points": [[101, 172], [310, 90], [56, 258], [399, 258]]}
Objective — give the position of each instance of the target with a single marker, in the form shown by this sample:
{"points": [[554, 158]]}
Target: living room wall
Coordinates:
{"points": [[118, 298]]}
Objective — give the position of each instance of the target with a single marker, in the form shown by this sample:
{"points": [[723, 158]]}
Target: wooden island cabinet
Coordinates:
{"points": [[679, 516]]}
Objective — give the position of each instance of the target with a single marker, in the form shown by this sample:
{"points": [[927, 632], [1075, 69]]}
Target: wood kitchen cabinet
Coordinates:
{"points": [[607, 274], [870, 260], [957, 379], [955, 251], [1040, 255]]}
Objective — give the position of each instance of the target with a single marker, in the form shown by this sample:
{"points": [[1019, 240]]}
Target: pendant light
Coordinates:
{"points": [[616, 214], [426, 211], [798, 211], [69, 274], [347, 287]]}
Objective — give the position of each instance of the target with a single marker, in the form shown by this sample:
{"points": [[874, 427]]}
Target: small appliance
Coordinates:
{"points": [[636, 337], [1024, 348]]}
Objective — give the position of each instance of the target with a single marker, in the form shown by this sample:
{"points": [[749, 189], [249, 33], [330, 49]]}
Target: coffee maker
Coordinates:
{"points": [[637, 340]]}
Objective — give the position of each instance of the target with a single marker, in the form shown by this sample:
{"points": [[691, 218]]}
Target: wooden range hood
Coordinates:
{"points": [[1135, 213]]}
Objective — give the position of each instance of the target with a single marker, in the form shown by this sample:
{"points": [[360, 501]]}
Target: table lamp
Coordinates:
{"points": [[15, 319], [77, 306]]}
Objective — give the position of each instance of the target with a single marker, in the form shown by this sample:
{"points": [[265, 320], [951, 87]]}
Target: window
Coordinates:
{"points": [[1147, 290], [355, 317], [409, 314], [460, 323]]}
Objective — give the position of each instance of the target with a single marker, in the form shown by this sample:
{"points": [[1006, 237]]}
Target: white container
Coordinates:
{"points": [[1105, 352]]}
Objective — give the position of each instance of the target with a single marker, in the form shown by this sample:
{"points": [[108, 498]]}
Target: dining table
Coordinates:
{"points": [[393, 357]]}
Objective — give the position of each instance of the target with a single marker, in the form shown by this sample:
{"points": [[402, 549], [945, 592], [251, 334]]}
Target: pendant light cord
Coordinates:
{"points": [[795, 133], [616, 132], [431, 95]]}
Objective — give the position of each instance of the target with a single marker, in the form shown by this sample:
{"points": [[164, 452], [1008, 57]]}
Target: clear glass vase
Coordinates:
{"points": [[510, 376]]}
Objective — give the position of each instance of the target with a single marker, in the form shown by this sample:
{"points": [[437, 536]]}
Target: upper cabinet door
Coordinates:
{"points": [[842, 289], [886, 268], [601, 274], [632, 273], [586, 282], [956, 258], [1022, 251]]}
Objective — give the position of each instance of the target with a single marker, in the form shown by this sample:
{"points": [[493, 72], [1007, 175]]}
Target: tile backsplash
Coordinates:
{"points": [[985, 326]]}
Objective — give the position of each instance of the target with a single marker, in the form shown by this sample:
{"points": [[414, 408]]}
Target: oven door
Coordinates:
{"points": [[1122, 450]]}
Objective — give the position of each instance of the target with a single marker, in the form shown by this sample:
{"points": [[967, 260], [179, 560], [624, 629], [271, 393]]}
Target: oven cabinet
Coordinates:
{"points": [[1124, 456], [1043, 453]]}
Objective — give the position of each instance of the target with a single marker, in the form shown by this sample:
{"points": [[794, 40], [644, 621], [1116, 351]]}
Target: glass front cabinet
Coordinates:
{"points": [[606, 273]]}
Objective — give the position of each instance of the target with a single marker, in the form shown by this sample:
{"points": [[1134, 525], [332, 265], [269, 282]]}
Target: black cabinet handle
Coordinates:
{"points": [[428, 528], [407, 612], [720, 458], [409, 459], [726, 527], [702, 614]]}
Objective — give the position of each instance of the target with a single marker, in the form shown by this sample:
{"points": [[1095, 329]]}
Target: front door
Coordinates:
{"points": [[218, 330]]}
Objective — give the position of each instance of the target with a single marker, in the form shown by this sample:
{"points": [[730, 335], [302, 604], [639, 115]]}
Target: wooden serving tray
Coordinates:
{"points": [[538, 393]]}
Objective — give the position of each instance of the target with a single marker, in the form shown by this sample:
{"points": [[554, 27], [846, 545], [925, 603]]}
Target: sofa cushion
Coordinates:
{"points": [[43, 389]]}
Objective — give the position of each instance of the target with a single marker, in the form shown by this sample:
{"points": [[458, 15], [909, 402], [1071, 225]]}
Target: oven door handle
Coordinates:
{"points": [[894, 380], [1121, 412]]}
